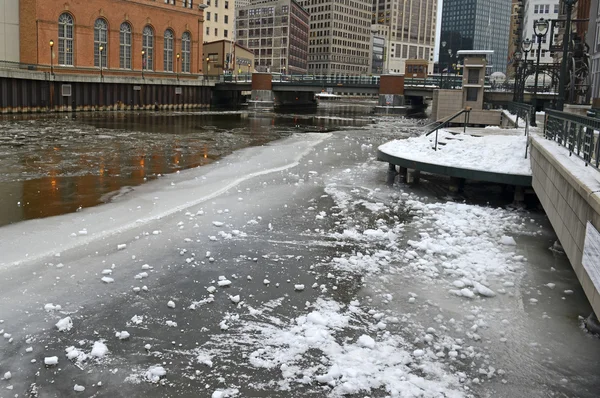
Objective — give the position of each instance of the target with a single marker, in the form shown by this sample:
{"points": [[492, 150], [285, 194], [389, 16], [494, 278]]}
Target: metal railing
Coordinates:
{"points": [[524, 112], [447, 120], [579, 134]]}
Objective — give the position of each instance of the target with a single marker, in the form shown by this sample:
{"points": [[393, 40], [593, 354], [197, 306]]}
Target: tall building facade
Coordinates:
{"points": [[408, 27], [277, 32], [593, 40], [219, 21], [9, 30], [534, 10], [110, 35], [515, 36], [476, 25], [340, 36]]}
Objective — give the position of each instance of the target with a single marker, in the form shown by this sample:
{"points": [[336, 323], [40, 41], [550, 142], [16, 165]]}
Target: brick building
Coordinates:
{"points": [[277, 32], [119, 36]]}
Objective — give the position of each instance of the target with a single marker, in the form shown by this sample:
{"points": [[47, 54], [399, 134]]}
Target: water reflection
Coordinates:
{"points": [[55, 165]]}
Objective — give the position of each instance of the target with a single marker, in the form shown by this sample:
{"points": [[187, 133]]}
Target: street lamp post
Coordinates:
{"points": [[540, 27], [440, 64], [517, 55], [143, 54], [449, 65], [100, 49], [526, 47], [207, 68], [51, 57], [563, 67], [177, 66]]}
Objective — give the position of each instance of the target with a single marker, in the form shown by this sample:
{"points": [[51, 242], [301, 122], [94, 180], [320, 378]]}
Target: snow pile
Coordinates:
{"points": [[348, 366], [497, 153]]}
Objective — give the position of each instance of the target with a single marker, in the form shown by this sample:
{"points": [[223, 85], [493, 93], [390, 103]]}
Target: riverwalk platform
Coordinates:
{"points": [[482, 154], [559, 160]]}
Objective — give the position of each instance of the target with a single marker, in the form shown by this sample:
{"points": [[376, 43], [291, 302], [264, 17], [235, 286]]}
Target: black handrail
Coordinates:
{"points": [[467, 111], [525, 112], [579, 134]]}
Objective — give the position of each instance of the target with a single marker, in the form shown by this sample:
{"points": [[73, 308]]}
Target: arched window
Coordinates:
{"points": [[100, 40], [148, 48], [65, 39], [125, 46], [168, 47], [186, 52]]}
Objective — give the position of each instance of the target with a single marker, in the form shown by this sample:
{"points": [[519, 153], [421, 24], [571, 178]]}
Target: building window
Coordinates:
{"points": [[65, 39], [216, 3], [472, 94], [187, 3], [216, 17], [148, 48], [226, 4], [207, 31], [225, 32], [186, 52], [216, 32], [207, 2], [226, 18], [208, 15], [125, 46], [100, 39], [168, 51], [536, 9]]}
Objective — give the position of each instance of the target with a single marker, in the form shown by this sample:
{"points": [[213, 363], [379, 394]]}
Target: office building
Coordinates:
{"points": [[515, 36], [408, 27], [378, 54], [340, 36], [277, 32], [534, 10], [476, 25], [219, 21]]}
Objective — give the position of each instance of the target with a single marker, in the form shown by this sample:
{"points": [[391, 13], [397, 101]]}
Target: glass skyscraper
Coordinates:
{"points": [[475, 25]]}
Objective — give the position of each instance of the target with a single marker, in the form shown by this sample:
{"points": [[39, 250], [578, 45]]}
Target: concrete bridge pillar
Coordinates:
{"points": [[262, 91], [391, 94]]}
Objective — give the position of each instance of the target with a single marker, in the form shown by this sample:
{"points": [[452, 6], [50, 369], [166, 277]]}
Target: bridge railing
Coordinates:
{"points": [[579, 134]]}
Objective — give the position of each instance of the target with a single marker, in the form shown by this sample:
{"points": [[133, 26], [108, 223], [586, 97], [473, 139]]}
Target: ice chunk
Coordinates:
{"points": [[508, 240], [50, 361], [64, 324], [124, 335], [235, 299], [79, 388], [106, 279], [154, 373], [99, 350], [299, 287], [366, 341], [171, 304]]}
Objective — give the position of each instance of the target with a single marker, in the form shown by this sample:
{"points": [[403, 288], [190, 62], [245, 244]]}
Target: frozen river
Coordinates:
{"points": [[283, 267]]}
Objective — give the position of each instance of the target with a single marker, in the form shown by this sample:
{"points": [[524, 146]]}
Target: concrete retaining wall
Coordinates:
{"points": [[570, 201]]}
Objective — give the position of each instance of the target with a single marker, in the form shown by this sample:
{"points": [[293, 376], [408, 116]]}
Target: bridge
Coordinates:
{"points": [[421, 88]]}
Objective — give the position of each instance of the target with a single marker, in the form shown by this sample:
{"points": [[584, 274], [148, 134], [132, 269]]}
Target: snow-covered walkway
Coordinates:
{"points": [[494, 153]]}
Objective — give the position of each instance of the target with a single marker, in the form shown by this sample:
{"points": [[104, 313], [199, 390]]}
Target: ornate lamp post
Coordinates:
{"points": [[526, 47], [100, 49], [177, 66], [563, 67], [449, 65], [540, 27], [517, 55], [51, 57], [443, 43], [207, 68], [143, 54]]}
